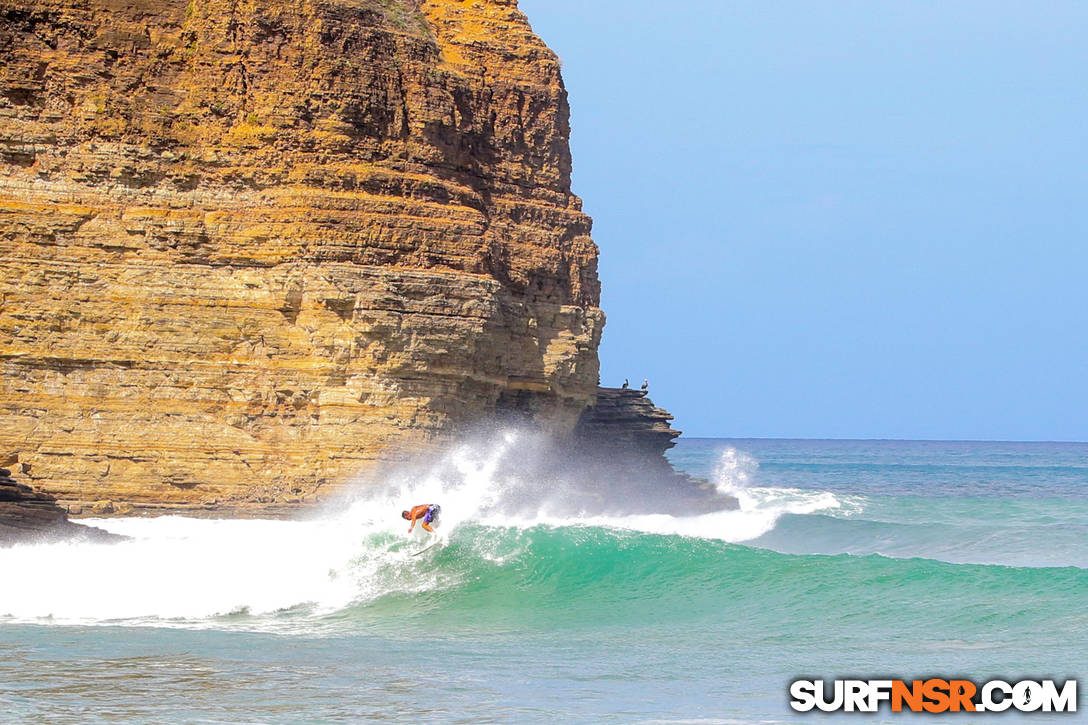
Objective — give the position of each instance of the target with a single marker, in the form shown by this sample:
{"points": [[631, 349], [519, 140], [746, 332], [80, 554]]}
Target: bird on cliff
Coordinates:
{"points": [[645, 384], [624, 387]]}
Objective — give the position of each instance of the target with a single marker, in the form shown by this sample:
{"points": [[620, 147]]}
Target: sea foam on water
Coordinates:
{"points": [[189, 571]]}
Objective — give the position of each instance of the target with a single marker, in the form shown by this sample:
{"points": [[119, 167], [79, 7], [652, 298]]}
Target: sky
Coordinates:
{"points": [[837, 219]]}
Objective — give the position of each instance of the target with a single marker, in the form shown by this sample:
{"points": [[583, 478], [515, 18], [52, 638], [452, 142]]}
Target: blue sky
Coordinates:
{"points": [[838, 219]]}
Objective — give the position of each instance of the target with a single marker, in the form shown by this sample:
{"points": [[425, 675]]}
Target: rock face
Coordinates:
{"points": [[625, 422], [623, 439], [29, 515], [248, 249]]}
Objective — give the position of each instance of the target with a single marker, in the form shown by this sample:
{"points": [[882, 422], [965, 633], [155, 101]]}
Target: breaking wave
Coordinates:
{"points": [[512, 548]]}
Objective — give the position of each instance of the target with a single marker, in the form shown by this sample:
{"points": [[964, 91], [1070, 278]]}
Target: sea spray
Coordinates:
{"points": [[189, 571], [356, 553], [734, 470]]}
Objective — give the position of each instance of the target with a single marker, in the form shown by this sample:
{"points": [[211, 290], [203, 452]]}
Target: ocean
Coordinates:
{"points": [[846, 559]]}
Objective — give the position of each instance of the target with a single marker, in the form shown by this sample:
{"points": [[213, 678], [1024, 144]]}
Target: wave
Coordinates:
{"points": [[496, 579], [971, 541], [288, 574], [512, 551], [176, 568], [586, 574]]}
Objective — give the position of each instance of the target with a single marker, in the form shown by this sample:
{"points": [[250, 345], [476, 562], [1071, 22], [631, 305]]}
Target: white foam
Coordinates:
{"points": [[759, 510], [734, 471], [177, 568], [185, 569]]}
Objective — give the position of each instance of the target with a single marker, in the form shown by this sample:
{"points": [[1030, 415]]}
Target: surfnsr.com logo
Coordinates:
{"points": [[933, 695]]}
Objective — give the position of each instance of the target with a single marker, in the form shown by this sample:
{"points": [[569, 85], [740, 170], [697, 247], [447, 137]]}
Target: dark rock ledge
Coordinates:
{"points": [[28, 516], [625, 435]]}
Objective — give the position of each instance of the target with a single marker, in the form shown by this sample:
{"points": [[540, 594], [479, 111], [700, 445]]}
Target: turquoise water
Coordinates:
{"points": [[904, 559]]}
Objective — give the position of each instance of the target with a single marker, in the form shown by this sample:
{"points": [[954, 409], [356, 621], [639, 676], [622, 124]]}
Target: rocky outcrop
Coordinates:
{"points": [[29, 515], [624, 435], [626, 423], [247, 250]]}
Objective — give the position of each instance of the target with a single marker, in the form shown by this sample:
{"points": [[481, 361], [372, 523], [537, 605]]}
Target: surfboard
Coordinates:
{"points": [[427, 547]]}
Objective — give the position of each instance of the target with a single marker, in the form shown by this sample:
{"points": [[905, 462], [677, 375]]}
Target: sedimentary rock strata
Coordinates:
{"points": [[628, 422], [27, 515], [619, 444], [246, 250]]}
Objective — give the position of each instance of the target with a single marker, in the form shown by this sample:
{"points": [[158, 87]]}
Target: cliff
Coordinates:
{"points": [[249, 249]]}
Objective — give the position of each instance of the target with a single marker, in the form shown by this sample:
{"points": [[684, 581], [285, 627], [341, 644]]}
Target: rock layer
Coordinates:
{"points": [[627, 423], [27, 515], [248, 249], [621, 441]]}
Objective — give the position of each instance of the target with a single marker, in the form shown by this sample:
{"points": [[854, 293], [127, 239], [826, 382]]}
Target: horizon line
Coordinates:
{"points": [[877, 440]]}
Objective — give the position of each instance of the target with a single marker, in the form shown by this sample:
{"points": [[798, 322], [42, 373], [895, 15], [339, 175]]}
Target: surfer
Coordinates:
{"points": [[426, 514]]}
